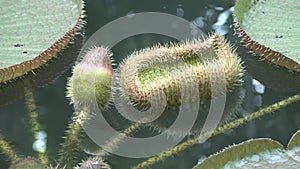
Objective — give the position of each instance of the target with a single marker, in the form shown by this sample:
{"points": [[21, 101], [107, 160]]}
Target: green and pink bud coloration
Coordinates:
{"points": [[92, 79], [211, 64]]}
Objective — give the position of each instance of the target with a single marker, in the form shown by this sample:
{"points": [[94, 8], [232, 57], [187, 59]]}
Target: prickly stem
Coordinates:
{"points": [[238, 122]]}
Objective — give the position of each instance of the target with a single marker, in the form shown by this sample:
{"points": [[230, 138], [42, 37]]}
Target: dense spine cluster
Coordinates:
{"points": [[209, 63], [92, 79]]}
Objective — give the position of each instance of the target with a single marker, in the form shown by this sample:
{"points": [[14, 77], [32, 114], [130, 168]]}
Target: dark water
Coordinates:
{"points": [[55, 110]]}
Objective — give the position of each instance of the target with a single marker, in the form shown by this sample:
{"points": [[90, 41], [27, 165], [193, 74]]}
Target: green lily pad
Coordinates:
{"points": [[270, 28], [33, 32], [257, 153]]}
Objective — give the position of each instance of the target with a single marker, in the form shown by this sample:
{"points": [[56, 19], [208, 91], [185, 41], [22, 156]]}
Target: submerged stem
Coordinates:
{"points": [[9, 152], [74, 133], [33, 115], [113, 142]]}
